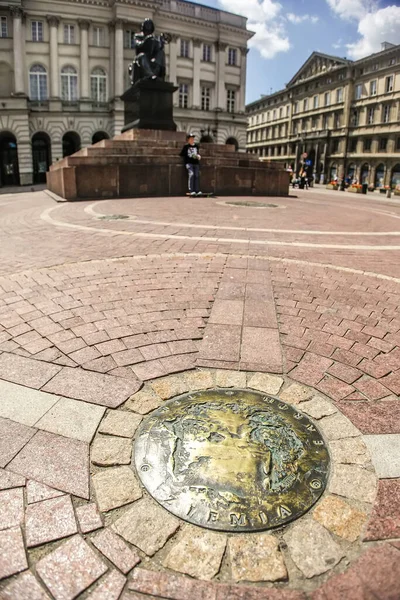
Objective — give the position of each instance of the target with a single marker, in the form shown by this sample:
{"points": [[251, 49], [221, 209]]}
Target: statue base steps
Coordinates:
{"points": [[142, 162]]}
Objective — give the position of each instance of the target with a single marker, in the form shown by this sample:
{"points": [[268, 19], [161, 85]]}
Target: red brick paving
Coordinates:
{"points": [[81, 301]]}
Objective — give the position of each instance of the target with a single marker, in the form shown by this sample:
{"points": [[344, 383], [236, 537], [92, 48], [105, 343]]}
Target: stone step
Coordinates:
{"points": [[152, 135], [124, 159]]}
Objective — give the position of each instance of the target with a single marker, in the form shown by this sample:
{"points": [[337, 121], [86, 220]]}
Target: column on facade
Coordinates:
{"points": [[111, 72], [221, 59], [119, 58], [196, 103], [316, 160], [53, 26], [243, 69], [19, 83], [173, 53], [84, 27], [372, 173]]}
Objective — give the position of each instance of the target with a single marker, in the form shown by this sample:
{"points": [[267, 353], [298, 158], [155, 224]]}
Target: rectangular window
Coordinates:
{"points": [[274, 114], [335, 147], [392, 61], [98, 36], [337, 121], [389, 84], [305, 104], [129, 38], [383, 144], [370, 116], [314, 123], [375, 67], [367, 145], [339, 95], [280, 113], [268, 116], [372, 88], [288, 110], [327, 98], [398, 144], [69, 34], [207, 54], [296, 108], [37, 31], [230, 100], [232, 56], [325, 122], [355, 118], [3, 27], [353, 145], [205, 98], [315, 101], [183, 95], [358, 91], [184, 48], [386, 113]]}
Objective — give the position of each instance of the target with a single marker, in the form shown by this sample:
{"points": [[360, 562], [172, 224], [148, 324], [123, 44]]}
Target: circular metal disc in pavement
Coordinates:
{"points": [[232, 459]]}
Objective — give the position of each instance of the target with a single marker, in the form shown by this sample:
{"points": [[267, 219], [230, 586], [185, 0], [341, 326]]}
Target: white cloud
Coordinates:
{"points": [[296, 19], [375, 25], [338, 44], [375, 28], [265, 20], [352, 9]]}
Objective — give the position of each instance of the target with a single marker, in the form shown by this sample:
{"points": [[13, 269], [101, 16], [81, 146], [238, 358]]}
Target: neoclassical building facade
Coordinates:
{"points": [[64, 66], [335, 118]]}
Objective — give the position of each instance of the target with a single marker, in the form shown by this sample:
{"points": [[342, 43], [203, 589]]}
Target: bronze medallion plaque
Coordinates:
{"points": [[232, 459]]}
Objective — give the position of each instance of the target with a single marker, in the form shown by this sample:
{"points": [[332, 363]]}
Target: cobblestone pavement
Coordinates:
{"points": [[107, 309]]}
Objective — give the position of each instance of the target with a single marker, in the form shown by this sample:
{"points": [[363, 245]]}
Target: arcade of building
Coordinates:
{"points": [[335, 118], [64, 66]]}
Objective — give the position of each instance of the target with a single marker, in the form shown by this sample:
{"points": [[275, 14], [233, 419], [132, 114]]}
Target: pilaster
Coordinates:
{"points": [[119, 58], [221, 60], [54, 77], [84, 31], [196, 72], [19, 79], [243, 69]]}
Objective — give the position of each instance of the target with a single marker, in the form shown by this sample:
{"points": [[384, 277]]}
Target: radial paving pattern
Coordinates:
{"points": [[103, 319]]}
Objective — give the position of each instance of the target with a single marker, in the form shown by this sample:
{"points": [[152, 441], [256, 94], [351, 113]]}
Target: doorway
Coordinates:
{"points": [[9, 170], [41, 156]]}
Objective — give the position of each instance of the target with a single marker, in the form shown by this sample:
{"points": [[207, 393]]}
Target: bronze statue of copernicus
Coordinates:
{"points": [[150, 57]]}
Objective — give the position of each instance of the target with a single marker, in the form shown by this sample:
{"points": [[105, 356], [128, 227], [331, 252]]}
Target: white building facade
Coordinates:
{"points": [[64, 66]]}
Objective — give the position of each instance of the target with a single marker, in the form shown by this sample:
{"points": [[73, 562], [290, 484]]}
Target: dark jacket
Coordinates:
{"points": [[189, 154]]}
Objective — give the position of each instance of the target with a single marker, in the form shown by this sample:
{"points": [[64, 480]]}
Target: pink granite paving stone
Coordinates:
{"points": [[35, 492], [70, 569], [385, 519], [109, 588], [11, 508], [379, 570], [24, 587], [262, 347], [12, 552], [26, 371], [344, 586], [89, 517], [13, 437], [10, 480], [49, 520], [382, 416], [96, 388], [116, 550], [58, 462]]}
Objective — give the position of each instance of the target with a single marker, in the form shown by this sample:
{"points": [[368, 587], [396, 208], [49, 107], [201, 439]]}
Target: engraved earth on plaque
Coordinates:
{"points": [[232, 459]]}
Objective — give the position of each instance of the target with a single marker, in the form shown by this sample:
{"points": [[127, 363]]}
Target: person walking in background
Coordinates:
{"points": [[191, 157]]}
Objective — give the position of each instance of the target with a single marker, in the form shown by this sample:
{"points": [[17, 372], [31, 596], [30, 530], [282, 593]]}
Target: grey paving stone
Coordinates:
{"points": [[57, 461], [116, 550], [385, 454], [116, 487], [121, 423], [13, 437], [337, 426], [26, 371], [24, 587], [23, 404], [352, 481], [10, 480], [96, 388], [312, 548], [73, 419]]}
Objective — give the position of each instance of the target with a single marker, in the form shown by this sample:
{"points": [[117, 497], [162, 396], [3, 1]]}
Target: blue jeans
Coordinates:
{"points": [[193, 177]]}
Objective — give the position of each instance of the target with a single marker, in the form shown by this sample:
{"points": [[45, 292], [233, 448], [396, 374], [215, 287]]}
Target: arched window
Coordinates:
{"points": [[41, 150], [233, 142], [380, 176], [69, 84], [71, 143], [351, 171], [9, 170], [98, 83], [98, 136], [333, 174], [395, 181], [38, 83]]}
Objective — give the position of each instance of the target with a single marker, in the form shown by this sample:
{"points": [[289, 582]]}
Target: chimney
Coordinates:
{"points": [[386, 46]]}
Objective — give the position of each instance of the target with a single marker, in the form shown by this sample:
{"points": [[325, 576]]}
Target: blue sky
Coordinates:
{"points": [[288, 31]]}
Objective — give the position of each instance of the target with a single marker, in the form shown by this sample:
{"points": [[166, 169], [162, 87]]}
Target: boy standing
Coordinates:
{"points": [[191, 157]]}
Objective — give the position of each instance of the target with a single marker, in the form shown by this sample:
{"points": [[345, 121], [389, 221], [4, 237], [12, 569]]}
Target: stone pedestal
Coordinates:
{"points": [[148, 105]]}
